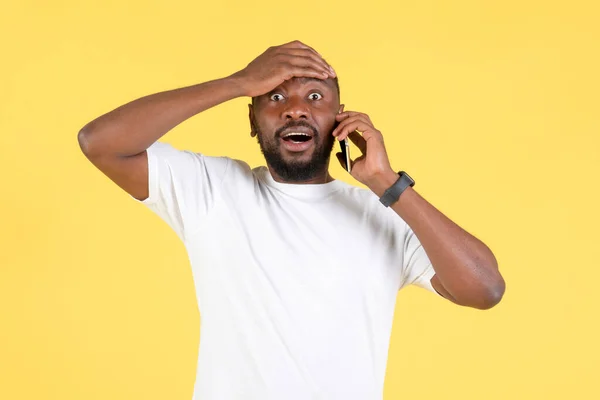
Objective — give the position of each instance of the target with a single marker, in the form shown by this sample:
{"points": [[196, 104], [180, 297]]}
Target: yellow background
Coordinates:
{"points": [[492, 106]]}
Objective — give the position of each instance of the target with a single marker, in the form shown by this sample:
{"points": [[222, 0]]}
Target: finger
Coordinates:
{"points": [[361, 124], [299, 45], [296, 44], [343, 119], [350, 116], [311, 54], [305, 62], [305, 72], [346, 114], [352, 123], [303, 56]]}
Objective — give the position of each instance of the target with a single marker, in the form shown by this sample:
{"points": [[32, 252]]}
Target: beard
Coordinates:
{"points": [[296, 170]]}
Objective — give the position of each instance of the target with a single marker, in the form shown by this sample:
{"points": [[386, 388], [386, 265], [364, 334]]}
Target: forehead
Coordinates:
{"points": [[299, 82]]}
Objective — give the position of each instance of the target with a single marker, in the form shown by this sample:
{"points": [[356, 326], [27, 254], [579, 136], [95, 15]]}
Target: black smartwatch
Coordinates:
{"points": [[392, 195]]}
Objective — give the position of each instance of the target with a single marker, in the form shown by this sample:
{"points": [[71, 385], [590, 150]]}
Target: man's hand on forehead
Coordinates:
{"points": [[281, 63], [303, 80]]}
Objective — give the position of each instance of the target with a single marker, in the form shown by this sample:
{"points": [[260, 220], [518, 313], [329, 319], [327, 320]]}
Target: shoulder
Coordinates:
{"points": [[162, 151], [183, 162], [187, 163]]}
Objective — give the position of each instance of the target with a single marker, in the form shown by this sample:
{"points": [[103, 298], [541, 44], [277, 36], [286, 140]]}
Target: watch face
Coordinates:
{"points": [[412, 181]]}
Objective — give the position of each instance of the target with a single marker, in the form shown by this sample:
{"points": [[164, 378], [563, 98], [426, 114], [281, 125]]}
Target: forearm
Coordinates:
{"points": [[133, 127], [464, 266]]}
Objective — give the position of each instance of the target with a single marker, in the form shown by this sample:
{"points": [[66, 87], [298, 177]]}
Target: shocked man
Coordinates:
{"points": [[296, 273]]}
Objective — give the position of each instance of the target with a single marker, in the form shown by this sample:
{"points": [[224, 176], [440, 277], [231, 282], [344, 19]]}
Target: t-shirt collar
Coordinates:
{"points": [[312, 190]]}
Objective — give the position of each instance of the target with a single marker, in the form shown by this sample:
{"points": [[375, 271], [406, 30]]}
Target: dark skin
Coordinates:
{"points": [[116, 142], [466, 271], [314, 101]]}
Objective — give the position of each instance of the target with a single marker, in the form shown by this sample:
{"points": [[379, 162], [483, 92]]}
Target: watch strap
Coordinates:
{"points": [[391, 195]]}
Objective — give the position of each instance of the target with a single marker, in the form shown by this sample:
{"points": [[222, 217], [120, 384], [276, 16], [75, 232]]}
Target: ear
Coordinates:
{"points": [[251, 117], [341, 110]]}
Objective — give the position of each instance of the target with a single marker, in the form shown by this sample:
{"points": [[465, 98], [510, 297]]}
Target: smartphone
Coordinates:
{"points": [[345, 145]]}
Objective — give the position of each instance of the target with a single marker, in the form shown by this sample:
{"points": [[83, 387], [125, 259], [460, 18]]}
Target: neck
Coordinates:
{"points": [[321, 178]]}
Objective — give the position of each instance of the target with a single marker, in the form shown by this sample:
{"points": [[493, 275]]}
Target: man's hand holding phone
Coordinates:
{"points": [[373, 165]]}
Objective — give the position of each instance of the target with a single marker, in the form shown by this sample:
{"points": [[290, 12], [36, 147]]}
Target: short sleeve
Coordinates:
{"points": [[417, 269], [182, 186]]}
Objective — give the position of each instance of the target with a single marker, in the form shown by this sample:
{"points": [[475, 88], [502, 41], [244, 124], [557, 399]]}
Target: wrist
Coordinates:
{"points": [[383, 181], [238, 84]]}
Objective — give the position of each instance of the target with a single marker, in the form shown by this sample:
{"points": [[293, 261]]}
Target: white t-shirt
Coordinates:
{"points": [[296, 284]]}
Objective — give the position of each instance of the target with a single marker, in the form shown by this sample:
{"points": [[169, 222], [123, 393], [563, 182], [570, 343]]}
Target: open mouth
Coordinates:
{"points": [[297, 141], [297, 137]]}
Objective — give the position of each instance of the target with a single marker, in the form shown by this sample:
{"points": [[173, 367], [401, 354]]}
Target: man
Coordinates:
{"points": [[296, 273]]}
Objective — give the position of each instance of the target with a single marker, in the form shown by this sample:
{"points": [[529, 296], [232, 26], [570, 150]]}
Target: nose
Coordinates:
{"points": [[296, 108]]}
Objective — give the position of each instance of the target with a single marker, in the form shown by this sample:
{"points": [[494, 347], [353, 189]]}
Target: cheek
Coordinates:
{"points": [[329, 124], [265, 124]]}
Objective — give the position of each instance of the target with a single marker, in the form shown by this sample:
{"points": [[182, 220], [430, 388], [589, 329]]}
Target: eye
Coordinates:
{"points": [[315, 96], [276, 97]]}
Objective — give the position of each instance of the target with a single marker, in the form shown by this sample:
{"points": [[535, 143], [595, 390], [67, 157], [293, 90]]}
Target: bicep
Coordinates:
{"points": [[129, 173]]}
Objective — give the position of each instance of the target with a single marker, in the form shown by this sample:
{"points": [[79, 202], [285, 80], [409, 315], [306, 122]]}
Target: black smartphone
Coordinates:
{"points": [[345, 145]]}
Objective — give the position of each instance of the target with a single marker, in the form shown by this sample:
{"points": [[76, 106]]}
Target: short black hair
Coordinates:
{"points": [[337, 86]]}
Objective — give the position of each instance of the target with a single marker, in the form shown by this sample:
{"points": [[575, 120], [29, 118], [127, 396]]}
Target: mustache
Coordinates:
{"points": [[293, 124]]}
